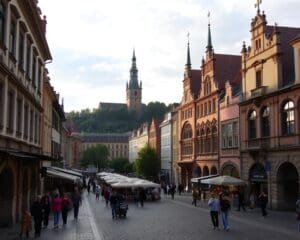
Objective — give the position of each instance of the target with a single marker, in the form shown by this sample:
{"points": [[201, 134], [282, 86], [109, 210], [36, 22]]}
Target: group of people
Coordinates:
{"points": [[222, 204], [42, 207]]}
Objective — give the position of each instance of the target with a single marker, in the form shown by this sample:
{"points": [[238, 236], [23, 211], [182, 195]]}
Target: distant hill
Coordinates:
{"points": [[112, 120]]}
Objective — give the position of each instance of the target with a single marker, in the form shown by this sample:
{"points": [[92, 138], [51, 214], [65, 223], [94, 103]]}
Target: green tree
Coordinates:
{"points": [[154, 110], [119, 164], [96, 155], [147, 164]]}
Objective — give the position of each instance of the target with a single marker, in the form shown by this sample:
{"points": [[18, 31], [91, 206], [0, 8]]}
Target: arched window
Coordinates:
{"points": [[265, 122], [252, 124], [198, 139], [288, 118], [207, 86], [186, 137], [208, 140], [2, 21], [202, 140], [214, 139]]}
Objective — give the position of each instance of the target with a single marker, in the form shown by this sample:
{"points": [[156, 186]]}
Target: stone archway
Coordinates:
{"points": [[197, 171], [213, 170], [6, 197], [205, 171], [288, 186], [230, 170]]}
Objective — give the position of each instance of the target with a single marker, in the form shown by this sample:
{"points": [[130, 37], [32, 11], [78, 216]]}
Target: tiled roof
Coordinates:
{"points": [[287, 34], [228, 68], [195, 82]]}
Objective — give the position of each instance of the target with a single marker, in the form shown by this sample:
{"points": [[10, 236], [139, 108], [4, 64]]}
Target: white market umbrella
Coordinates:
{"points": [[224, 181]]}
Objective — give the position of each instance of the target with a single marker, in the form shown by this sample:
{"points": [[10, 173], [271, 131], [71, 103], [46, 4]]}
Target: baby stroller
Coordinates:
{"points": [[121, 209]]}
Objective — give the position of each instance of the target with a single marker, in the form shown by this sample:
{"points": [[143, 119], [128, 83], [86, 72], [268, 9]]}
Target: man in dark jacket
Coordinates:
{"points": [[113, 204], [76, 200], [36, 212], [46, 206]]}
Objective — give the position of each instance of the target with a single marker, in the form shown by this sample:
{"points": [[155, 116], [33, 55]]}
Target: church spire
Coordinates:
{"points": [[209, 46], [133, 82], [188, 60]]}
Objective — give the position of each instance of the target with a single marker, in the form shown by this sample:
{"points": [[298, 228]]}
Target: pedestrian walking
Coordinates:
{"points": [[142, 196], [263, 198], [225, 207], [241, 201], [195, 196], [56, 208], [113, 204], [214, 205], [298, 213], [46, 207], [36, 213], [26, 226], [76, 200], [180, 188], [97, 192], [106, 196], [172, 190], [252, 200], [65, 207]]}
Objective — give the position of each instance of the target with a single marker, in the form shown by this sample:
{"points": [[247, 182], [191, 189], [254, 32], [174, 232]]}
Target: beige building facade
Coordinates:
{"points": [[269, 112]]}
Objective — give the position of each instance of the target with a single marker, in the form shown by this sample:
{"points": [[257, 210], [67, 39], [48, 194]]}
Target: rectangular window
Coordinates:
{"points": [[2, 21], [31, 125], [201, 110], [224, 134], [258, 79], [1, 104], [21, 50], [214, 105], [12, 38], [10, 110], [28, 57], [39, 77], [33, 71], [19, 116], [235, 134], [36, 128], [26, 112]]}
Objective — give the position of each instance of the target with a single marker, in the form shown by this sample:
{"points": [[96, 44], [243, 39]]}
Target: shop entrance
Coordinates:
{"points": [[258, 181], [288, 186], [6, 197]]}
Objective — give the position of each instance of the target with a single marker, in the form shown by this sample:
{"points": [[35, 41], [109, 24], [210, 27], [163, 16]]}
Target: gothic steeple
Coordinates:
{"points": [[133, 82], [188, 60], [209, 47]]}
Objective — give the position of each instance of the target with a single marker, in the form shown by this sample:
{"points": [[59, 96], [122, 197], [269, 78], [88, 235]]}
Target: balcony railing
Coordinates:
{"points": [[258, 143], [257, 92]]}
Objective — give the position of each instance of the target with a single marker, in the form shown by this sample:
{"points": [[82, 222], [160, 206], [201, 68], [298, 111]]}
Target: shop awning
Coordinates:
{"points": [[67, 171], [198, 179], [26, 155], [58, 174]]}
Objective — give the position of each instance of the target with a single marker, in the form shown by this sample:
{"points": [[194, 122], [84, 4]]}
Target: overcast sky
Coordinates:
{"points": [[91, 42]]}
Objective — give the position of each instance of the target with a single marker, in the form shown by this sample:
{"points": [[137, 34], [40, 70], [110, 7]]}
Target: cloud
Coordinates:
{"points": [[92, 43]]}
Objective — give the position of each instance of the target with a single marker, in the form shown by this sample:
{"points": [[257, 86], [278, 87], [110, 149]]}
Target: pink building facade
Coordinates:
{"points": [[229, 131]]}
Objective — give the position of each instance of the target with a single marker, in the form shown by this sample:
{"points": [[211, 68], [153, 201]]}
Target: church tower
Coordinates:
{"points": [[134, 89]]}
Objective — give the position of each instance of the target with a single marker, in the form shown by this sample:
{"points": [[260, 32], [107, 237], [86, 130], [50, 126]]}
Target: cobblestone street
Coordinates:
{"points": [[168, 219]]}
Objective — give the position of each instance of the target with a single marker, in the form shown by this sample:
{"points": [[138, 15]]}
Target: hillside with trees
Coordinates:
{"points": [[113, 120]]}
